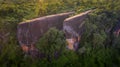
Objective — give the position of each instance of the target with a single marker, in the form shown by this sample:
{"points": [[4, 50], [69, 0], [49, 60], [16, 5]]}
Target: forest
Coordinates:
{"points": [[99, 45]]}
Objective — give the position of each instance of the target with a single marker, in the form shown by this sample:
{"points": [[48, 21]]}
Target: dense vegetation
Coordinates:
{"points": [[96, 49]]}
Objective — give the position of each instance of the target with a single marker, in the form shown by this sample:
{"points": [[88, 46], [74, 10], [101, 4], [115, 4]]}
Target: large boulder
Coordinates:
{"points": [[29, 32], [73, 28]]}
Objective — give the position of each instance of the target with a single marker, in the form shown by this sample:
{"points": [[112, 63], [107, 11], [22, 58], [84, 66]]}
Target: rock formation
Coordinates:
{"points": [[73, 28], [29, 32]]}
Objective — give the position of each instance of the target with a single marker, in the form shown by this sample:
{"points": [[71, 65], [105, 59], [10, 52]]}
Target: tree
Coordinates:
{"points": [[52, 44]]}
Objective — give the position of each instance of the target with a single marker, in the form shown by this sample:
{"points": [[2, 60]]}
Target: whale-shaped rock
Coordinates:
{"points": [[73, 28], [29, 32]]}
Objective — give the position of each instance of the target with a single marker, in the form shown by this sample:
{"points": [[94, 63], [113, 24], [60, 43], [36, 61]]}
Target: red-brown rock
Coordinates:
{"points": [[73, 29], [29, 32]]}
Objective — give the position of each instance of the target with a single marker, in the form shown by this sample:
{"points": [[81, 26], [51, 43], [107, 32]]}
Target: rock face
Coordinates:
{"points": [[73, 28], [29, 32]]}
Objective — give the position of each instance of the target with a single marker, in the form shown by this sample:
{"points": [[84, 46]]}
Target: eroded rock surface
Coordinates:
{"points": [[73, 28], [30, 32]]}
